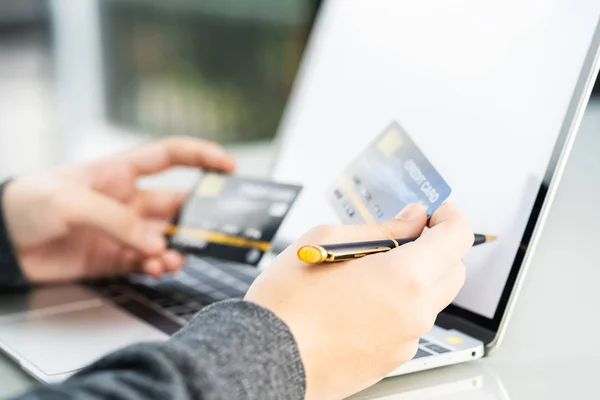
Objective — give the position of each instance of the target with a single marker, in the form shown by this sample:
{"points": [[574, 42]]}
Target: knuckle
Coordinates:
{"points": [[424, 322], [176, 140], [416, 285], [456, 280], [411, 349], [60, 197], [406, 351], [169, 142], [416, 282]]}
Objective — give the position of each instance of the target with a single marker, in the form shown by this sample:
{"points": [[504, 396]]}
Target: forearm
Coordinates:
{"points": [[231, 350], [10, 272]]}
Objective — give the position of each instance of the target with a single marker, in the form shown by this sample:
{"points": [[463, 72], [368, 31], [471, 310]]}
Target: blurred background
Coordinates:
{"points": [[79, 79], [83, 78]]}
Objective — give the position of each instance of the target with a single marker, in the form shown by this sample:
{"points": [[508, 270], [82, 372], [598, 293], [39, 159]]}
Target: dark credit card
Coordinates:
{"points": [[232, 218]]}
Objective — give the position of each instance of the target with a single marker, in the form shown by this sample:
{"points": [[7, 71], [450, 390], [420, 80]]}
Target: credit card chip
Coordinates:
{"points": [[390, 141]]}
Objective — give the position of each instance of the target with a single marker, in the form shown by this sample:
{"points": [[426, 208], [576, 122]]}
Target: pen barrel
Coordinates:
{"points": [[373, 244]]}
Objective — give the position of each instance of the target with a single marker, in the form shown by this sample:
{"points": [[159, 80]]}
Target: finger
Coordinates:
{"points": [[172, 260], [169, 261], [444, 291], [83, 207], [130, 260], [153, 267], [446, 243], [160, 204], [178, 151], [437, 249], [450, 235], [410, 222]]}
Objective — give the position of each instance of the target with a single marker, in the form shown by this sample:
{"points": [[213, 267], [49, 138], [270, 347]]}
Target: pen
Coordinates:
{"points": [[327, 253]]}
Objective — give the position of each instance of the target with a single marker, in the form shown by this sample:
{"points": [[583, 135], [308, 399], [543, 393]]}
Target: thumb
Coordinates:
{"points": [[409, 222], [84, 207]]}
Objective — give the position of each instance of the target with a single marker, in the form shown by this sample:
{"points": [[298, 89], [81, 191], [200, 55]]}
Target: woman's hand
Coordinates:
{"points": [[357, 321], [91, 221]]}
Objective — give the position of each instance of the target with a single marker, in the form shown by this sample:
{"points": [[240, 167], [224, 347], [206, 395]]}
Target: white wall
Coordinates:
{"points": [[26, 109]]}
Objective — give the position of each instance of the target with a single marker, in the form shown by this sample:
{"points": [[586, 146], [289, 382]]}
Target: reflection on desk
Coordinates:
{"points": [[464, 381]]}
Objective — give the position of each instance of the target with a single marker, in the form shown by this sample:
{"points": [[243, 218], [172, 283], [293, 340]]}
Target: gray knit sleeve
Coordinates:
{"points": [[230, 350]]}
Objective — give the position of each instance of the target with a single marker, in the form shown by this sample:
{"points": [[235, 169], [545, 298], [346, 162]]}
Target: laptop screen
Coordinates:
{"points": [[483, 88]]}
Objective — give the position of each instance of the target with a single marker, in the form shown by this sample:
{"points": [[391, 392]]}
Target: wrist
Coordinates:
{"points": [[10, 269]]}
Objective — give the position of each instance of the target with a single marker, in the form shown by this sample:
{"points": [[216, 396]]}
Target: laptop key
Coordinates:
{"points": [[150, 315], [189, 316], [166, 302], [436, 348], [184, 310], [110, 291], [423, 341], [421, 353], [204, 298]]}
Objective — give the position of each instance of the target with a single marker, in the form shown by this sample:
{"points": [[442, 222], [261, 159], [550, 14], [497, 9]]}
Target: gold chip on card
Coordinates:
{"points": [[390, 141], [211, 185]]}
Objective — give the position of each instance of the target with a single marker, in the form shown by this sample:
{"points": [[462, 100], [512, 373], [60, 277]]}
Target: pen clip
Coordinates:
{"points": [[348, 254]]}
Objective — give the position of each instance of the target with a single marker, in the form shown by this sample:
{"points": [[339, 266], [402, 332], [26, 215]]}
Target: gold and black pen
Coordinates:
{"points": [[327, 253]]}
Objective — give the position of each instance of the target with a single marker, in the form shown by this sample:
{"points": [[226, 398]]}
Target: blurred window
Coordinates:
{"points": [[217, 69]]}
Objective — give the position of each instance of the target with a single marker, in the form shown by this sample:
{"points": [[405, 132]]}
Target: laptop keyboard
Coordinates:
{"points": [[179, 296], [426, 349], [171, 301]]}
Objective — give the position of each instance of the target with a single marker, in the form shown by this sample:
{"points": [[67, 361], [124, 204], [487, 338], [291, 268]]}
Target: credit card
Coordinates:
{"points": [[231, 217], [389, 174]]}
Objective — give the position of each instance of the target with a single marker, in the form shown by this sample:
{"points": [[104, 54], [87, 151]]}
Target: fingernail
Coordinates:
{"points": [[411, 212], [155, 241]]}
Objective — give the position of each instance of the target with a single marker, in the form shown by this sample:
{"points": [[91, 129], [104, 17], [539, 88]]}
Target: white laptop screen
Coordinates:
{"points": [[482, 87]]}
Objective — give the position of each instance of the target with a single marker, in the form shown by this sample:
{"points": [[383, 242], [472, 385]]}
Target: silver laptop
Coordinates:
{"points": [[492, 93]]}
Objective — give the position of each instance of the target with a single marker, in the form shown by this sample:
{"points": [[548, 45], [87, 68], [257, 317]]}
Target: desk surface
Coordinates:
{"points": [[540, 360], [489, 379]]}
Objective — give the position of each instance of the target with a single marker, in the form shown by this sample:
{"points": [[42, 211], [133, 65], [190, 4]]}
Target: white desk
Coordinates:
{"points": [[550, 351]]}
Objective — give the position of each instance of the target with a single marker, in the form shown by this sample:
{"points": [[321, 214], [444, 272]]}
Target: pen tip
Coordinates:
{"points": [[490, 238]]}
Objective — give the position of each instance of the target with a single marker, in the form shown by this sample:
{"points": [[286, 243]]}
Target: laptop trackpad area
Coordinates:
{"points": [[58, 341]]}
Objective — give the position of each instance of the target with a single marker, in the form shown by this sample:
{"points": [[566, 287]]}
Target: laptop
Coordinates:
{"points": [[492, 93]]}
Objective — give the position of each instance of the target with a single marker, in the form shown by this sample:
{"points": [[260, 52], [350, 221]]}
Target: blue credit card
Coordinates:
{"points": [[389, 174]]}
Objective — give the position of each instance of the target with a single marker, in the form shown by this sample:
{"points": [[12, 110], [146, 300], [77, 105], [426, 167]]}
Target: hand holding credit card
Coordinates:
{"points": [[389, 174]]}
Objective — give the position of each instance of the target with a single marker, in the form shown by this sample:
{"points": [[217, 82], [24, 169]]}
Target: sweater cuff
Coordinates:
{"points": [[10, 271], [260, 352]]}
